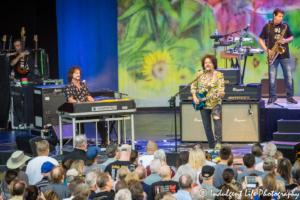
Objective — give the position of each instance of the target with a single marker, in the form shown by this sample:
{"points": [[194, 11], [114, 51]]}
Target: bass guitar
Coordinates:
{"points": [[22, 65], [202, 98]]}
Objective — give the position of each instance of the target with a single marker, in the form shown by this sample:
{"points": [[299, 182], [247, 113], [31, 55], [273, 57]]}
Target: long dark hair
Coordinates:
{"points": [[182, 159], [31, 193], [71, 72]]}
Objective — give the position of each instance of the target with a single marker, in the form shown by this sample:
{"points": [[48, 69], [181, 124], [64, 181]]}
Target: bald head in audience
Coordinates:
{"points": [[151, 147], [165, 173], [142, 172]]}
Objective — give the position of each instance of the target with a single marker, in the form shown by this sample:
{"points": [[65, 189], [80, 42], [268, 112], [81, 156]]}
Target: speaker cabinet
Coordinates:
{"points": [[241, 122], [191, 125], [290, 150]]}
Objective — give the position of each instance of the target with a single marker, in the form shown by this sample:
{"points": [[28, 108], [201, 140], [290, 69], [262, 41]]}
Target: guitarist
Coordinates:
{"points": [[27, 53], [212, 82]]}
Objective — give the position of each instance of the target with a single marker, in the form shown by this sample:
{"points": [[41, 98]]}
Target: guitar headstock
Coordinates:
{"points": [[35, 38], [23, 31], [4, 38]]}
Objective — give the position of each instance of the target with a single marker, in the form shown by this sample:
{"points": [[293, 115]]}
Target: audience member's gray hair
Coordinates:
{"points": [[159, 154], [155, 166], [195, 193], [123, 194], [91, 179], [80, 141], [71, 173], [184, 169], [270, 149], [293, 171], [96, 170]]}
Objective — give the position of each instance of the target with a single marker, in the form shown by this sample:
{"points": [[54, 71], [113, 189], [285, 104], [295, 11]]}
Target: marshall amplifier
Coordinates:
{"points": [[242, 92], [47, 99], [231, 76], [186, 94]]}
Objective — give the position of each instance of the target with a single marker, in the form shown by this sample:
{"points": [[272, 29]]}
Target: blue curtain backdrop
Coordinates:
{"points": [[87, 37]]}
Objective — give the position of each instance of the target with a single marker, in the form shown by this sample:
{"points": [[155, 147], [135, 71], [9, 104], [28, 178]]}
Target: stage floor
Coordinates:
{"points": [[283, 102]]}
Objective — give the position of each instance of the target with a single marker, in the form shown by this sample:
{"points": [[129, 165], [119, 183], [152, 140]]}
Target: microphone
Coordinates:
{"points": [[245, 29]]}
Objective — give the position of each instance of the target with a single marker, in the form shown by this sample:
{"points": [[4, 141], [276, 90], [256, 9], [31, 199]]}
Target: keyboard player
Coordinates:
{"points": [[77, 91]]}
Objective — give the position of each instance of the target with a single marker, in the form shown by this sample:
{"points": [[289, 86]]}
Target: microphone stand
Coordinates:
{"points": [[269, 72], [172, 102], [121, 94]]}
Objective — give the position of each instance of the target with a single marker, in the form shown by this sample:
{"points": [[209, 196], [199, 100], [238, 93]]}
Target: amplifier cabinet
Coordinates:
{"points": [[242, 92], [241, 122], [186, 94], [231, 76]]}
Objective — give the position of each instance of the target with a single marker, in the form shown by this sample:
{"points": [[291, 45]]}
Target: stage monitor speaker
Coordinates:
{"points": [[27, 143], [53, 133], [289, 150], [191, 125], [172, 158], [243, 121], [280, 90]]}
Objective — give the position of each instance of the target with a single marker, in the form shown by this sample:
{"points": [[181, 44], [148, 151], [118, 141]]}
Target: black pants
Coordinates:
{"points": [[206, 115], [101, 129]]}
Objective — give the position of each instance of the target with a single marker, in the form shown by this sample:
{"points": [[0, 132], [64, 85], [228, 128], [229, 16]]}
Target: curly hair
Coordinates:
{"points": [[71, 71], [212, 58]]}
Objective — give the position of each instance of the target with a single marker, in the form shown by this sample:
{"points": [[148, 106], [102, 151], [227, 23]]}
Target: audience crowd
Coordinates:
{"points": [[265, 175]]}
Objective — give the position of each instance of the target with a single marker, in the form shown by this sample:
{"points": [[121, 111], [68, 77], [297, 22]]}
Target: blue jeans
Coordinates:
{"points": [[285, 64]]}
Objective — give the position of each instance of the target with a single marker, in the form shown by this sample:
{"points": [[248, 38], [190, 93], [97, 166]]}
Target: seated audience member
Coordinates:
{"points": [[269, 167], [105, 182], [154, 177], [134, 157], [249, 162], [247, 194], [33, 169], [225, 153], [79, 166], [184, 169], [146, 159], [164, 185], [31, 193], [195, 193], [207, 162], [296, 192], [293, 186], [11, 187], [255, 190], [112, 168], [269, 150], [207, 175], [72, 187], [112, 152], [161, 195], [79, 151], [123, 194], [67, 166], [278, 155], [185, 185], [45, 170], [15, 162], [182, 159], [257, 152], [9, 177], [160, 155], [91, 182], [227, 193], [18, 190], [71, 174], [270, 184], [132, 182], [197, 160], [57, 176], [228, 179], [142, 173], [122, 173], [132, 176], [284, 168], [120, 185], [137, 191], [83, 191], [92, 159], [51, 195]]}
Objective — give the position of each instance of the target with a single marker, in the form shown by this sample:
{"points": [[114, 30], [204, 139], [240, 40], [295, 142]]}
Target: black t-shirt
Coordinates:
{"points": [[114, 167], [29, 59], [104, 196], [275, 31], [162, 186], [76, 154], [71, 91]]}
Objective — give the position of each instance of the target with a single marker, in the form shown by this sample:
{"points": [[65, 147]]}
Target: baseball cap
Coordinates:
{"points": [[47, 167], [125, 147], [207, 171], [92, 152], [269, 162]]}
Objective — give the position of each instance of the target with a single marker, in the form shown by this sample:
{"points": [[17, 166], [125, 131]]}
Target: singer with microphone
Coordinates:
{"points": [[211, 81], [77, 91]]}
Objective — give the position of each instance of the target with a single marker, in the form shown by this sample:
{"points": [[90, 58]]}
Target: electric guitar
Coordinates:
{"points": [[202, 98], [4, 41], [22, 65], [36, 70]]}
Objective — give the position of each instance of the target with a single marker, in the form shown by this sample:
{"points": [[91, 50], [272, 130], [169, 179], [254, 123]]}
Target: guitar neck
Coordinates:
{"points": [[35, 53], [4, 45]]}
